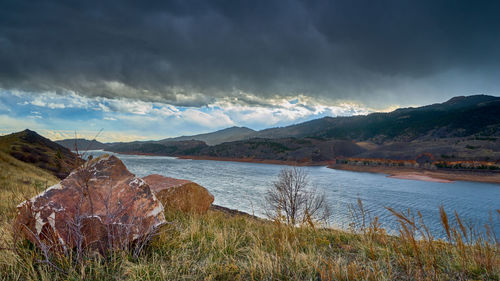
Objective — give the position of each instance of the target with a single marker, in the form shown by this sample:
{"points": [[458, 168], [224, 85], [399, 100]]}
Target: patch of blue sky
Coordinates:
{"points": [[152, 120], [74, 114]]}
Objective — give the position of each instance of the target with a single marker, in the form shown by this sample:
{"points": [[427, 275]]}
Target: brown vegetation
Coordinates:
{"points": [[100, 207], [29, 147], [217, 246], [291, 200]]}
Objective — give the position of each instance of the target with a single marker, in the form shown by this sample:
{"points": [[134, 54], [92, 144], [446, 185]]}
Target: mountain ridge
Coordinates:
{"points": [[81, 144], [220, 136], [411, 122], [450, 113], [461, 128], [28, 146]]}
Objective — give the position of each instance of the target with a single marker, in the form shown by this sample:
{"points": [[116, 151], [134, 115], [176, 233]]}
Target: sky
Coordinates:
{"points": [[153, 69]]}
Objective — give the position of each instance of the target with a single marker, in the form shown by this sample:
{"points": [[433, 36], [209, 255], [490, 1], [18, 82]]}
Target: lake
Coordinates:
{"points": [[242, 186]]}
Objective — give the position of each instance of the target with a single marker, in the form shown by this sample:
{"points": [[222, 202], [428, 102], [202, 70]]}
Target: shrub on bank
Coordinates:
{"points": [[220, 246]]}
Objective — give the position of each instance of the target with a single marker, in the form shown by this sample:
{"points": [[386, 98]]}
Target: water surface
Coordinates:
{"points": [[242, 186]]}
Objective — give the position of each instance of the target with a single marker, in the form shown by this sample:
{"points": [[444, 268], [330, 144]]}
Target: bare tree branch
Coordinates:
{"points": [[290, 199]]}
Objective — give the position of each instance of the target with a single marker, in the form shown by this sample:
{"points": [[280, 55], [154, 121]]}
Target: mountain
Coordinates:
{"points": [[462, 128], [81, 144], [458, 117], [303, 150], [166, 148], [30, 147], [217, 137], [285, 149]]}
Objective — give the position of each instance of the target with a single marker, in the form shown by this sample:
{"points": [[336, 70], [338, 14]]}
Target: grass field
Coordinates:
{"points": [[218, 246]]}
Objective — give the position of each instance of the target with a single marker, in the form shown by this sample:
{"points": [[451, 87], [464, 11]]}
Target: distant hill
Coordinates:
{"points": [[166, 148], [30, 147], [461, 128], [284, 149], [217, 137], [458, 117], [81, 144]]}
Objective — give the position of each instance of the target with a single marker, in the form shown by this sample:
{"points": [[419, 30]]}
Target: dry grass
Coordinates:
{"points": [[216, 246], [19, 180]]}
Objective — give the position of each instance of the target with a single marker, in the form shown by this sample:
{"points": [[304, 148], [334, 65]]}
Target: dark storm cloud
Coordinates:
{"points": [[192, 52]]}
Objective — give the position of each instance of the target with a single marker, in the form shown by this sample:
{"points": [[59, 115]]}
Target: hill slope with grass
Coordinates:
{"points": [[220, 246], [18, 181], [30, 147]]}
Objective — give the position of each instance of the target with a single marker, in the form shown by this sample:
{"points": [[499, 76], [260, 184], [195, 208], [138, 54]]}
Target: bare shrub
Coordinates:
{"points": [[89, 231], [293, 201], [119, 236]]}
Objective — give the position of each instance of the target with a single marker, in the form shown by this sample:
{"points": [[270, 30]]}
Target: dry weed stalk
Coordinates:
{"points": [[119, 237]]}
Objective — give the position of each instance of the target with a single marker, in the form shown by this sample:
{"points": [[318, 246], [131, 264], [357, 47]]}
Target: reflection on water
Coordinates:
{"points": [[242, 186]]}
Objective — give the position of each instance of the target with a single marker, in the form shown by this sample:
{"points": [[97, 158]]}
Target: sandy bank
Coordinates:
{"points": [[425, 175], [418, 177]]}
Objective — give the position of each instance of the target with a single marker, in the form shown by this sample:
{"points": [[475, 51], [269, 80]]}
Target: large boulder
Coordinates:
{"points": [[99, 206], [180, 194]]}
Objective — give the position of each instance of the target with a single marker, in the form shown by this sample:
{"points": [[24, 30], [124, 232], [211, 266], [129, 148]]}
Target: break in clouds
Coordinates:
{"points": [[194, 53]]}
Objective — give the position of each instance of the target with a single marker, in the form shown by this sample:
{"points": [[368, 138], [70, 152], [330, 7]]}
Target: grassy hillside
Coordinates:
{"points": [[19, 180], [30, 147], [219, 246]]}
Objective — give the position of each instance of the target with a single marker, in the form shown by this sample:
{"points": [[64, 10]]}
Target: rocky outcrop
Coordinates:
{"points": [[99, 206], [180, 194]]}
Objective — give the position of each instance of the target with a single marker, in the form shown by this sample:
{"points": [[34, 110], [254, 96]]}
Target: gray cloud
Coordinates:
{"points": [[193, 52]]}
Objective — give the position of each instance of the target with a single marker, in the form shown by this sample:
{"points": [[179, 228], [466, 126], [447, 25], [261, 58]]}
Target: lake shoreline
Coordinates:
{"points": [[422, 174], [258, 161], [229, 159], [418, 177], [241, 186], [392, 172]]}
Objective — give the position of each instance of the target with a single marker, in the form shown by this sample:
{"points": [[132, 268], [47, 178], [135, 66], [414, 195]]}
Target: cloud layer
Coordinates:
{"points": [[198, 53], [121, 119]]}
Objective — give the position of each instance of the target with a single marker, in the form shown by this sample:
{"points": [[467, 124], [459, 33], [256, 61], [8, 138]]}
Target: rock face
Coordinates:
{"points": [[100, 206], [180, 194]]}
